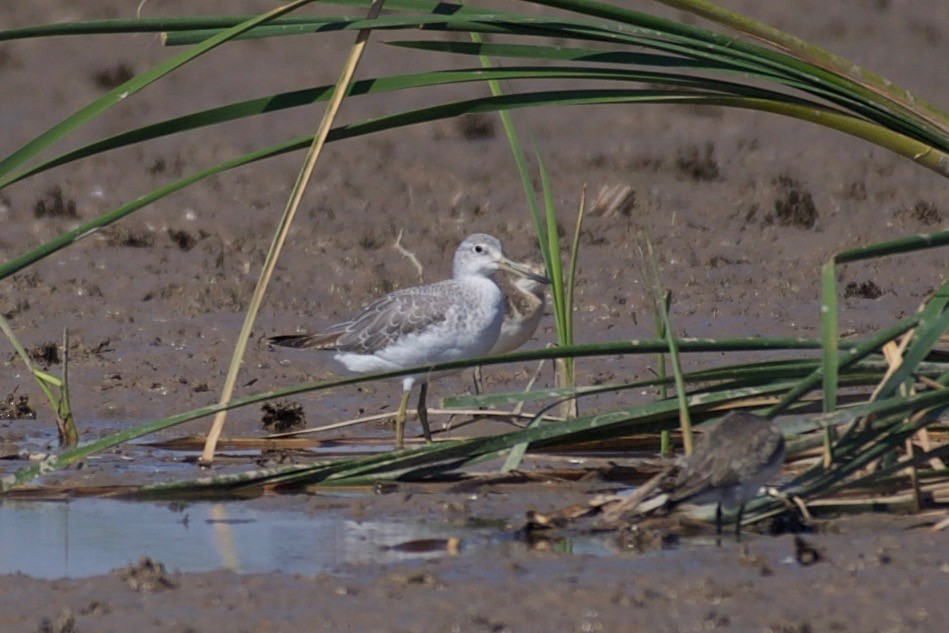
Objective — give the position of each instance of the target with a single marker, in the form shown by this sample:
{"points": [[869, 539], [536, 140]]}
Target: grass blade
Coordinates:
{"points": [[815, 55], [661, 302]]}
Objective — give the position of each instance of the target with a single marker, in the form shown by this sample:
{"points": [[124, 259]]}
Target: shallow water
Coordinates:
{"points": [[87, 537]]}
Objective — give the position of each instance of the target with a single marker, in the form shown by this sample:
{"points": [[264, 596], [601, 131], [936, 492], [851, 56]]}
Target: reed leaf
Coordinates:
{"points": [[132, 86], [808, 52], [69, 457]]}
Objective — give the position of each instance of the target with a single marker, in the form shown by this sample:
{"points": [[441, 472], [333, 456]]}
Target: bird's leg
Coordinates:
{"points": [[423, 411], [741, 512], [400, 419], [718, 523], [478, 382]]}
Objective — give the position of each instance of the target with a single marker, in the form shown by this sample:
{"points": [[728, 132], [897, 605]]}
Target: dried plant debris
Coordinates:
{"points": [[148, 576], [15, 407], [614, 200], [283, 415], [54, 204], [475, 127], [794, 205], [118, 235], [697, 165], [863, 290], [113, 77]]}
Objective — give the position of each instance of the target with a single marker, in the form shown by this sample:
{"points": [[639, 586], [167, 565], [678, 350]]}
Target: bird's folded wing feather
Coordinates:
{"points": [[394, 316], [693, 478], [388, 319], [725, 467]]}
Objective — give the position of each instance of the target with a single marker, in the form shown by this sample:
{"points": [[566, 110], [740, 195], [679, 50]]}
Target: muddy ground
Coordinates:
{"points": [[743, 208]]}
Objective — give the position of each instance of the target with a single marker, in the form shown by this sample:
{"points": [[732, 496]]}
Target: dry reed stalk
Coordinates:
{"points": [[319, 139]]}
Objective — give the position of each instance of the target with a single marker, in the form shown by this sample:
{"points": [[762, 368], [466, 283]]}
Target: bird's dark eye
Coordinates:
{"points": [[479, 248]]}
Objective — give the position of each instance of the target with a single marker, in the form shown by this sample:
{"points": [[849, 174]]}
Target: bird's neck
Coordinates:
{"points": [[460, 275]]}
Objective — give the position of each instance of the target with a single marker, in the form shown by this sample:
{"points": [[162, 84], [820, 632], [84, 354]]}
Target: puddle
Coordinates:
{"points": [[87, 537]]}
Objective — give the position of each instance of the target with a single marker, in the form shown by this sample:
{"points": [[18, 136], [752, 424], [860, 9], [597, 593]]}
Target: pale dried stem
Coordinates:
{"points": [[391, 414], [404, 252], [319, 139]]}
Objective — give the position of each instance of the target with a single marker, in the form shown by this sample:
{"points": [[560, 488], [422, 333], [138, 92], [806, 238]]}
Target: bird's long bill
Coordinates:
{"points": [[521, 269]]}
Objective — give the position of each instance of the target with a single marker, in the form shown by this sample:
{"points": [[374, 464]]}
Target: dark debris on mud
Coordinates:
{"points": [[15, 407], [46, 354], [55, 204], [283, 415], [794, 205], [863, 290], [698, 165], [148, 576], [119, 236], [475, 127], [806, 553], [185, 240], [113, 76], [926, 213]]}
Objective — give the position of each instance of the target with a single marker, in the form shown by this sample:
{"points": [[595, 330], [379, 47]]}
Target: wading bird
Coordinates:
{"points": [[449, 320], [731, 462], [524, 303]]}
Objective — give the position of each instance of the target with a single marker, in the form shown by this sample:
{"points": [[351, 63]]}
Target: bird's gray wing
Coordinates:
{"points": [[724, 467], [397, 315], [693, 477], [757, 455]]}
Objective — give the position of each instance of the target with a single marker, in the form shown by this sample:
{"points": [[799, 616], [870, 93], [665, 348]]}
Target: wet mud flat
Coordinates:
{"points": [[743, 209]]}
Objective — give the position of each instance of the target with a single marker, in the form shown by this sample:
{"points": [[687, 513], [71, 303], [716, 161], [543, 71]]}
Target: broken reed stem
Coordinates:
{"points": [[519, 407], [283, 228], [830, 361], [662, 301], [665, 438], [68, 435], [572, 407], [685, 420], [391, 414], [913, 476]]}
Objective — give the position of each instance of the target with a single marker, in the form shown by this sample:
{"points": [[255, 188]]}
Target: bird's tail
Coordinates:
{"points": [[306, 341]]}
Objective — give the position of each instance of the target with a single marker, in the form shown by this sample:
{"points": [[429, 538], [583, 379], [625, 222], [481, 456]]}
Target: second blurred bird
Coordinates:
{"points": [[524, 302]]}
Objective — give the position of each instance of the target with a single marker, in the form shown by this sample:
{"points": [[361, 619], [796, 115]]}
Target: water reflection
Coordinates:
{"points": [[86, 537]]}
